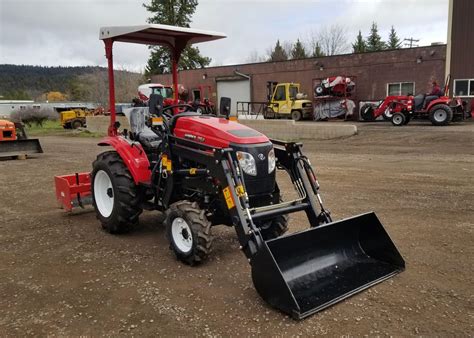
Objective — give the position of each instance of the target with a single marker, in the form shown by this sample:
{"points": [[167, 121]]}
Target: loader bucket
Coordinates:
{"points": [[305, 272], [20, 147]]}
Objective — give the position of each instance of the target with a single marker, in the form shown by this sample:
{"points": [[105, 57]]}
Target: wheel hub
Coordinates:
{"points": [[182, 236], [440, 115], [103, 193]]}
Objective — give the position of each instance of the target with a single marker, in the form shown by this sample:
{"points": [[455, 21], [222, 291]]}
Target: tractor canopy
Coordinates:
{"points": [[175, 38]]}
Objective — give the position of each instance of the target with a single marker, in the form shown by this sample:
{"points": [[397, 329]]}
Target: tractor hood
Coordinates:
{"points": [[216, 132]]}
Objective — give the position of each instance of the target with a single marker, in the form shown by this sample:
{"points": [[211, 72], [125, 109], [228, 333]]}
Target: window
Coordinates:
{"points": [[464, 87], [280, 94], [293, 92], [400, 88]]}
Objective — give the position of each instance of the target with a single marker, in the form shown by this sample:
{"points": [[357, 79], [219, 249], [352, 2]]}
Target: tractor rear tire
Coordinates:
{"points": [[398, 119], [367, 112], [115, 195], [296, 115], [441, 115], [189, 232]]}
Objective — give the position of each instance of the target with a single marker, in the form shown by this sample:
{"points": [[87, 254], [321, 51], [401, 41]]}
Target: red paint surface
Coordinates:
{"points": [[214, 131], [132, 155]]}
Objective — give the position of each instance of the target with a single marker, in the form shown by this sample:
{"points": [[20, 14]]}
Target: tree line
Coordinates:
{"points": [[328, 41], [21, 82]]}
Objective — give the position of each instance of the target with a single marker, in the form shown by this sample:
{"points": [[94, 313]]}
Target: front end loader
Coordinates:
{"points": [[14, 143], [205, 170]]}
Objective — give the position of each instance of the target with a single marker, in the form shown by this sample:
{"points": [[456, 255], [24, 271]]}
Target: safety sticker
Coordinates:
{"points": [[228, 198]]}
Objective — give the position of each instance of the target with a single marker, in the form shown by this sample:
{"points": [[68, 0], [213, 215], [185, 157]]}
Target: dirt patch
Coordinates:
{"points": [[61, 274]]}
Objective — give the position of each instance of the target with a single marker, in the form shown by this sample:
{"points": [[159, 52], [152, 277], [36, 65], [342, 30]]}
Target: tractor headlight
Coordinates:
{"points": [[247, 163], [271, 161]]}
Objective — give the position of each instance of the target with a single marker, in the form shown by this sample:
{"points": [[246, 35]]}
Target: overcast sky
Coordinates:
{"points": [[65, 32]]}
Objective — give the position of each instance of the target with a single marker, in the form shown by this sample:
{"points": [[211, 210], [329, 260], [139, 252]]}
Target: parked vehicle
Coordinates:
{"points": [[14, 142], [204, 170], [286, 101]]}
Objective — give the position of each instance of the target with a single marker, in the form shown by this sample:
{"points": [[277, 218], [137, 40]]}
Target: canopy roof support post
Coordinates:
{"points": [[112, 131]]}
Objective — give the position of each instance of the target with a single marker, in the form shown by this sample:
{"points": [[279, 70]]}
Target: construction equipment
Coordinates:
{"points": [[286, 101], [74, 118], [14, 142], [145, 91], [400, 109], [204, 170]]}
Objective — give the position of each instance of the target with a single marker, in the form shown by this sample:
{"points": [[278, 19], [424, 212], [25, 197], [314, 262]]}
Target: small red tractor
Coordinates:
{"points": [[402, 108], [201, 100], [206, 170]]}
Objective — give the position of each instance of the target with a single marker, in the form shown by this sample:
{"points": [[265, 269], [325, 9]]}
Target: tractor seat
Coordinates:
{"points": [[149, 141], [139, 130]]}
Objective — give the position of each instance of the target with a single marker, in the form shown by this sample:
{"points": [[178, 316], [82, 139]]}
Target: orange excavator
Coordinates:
{"points": [[14, 141]]}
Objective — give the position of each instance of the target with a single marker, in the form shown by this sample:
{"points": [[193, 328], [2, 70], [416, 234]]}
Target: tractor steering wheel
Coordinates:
{"points": [[172, 107]]}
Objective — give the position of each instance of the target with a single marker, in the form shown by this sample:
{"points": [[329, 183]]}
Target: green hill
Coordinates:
{"points": [[23, 82]]}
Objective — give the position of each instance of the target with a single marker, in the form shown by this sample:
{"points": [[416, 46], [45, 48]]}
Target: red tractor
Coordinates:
{"points": [[401, 109], [205, 170]]}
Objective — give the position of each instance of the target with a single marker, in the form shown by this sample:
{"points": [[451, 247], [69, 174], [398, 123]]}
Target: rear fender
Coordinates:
{"points": [[132, 155], [441, 100]]}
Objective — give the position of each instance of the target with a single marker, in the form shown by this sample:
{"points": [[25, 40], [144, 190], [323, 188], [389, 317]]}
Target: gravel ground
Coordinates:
{"points": [[60, 274]]}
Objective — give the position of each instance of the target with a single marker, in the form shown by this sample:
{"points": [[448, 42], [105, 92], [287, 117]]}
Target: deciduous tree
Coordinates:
{"points": [[174, 13]]}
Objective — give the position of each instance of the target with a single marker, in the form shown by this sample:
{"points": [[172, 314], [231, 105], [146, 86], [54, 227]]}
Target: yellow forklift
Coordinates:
{"points": [[286, 101]]}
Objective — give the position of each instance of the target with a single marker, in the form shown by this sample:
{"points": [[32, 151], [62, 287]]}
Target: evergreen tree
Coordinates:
{"points": [[298, 51], [317, 51], [174, 13], [393, 40], [374, 41], [278, 53], [359, 46]]}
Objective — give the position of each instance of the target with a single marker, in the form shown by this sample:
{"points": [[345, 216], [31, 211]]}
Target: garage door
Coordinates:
{"points": [[237, 90]]}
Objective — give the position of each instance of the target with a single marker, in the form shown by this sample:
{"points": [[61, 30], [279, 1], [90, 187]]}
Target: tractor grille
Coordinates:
{"points": [[263, 183]]}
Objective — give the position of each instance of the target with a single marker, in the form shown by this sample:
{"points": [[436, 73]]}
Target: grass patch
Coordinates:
{"points": [[54, 128]]}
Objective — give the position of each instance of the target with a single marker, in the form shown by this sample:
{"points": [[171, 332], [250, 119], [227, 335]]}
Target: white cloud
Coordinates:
{"points": [[65, 32]]}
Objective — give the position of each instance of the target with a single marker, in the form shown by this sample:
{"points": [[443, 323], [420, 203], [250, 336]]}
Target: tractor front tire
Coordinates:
{"points": [[115, 195], [189, 232], [275, 228], [398, 119], [296, 115], [441, 115]]}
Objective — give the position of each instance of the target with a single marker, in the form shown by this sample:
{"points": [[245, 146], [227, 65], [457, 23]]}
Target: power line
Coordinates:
{"points": [[410, 42]]}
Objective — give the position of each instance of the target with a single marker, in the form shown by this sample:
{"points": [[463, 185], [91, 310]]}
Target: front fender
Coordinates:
{"points": [[132, 155]]}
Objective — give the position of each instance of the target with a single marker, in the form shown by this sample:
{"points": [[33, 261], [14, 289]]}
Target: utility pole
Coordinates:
{"points": [[410, 44]]}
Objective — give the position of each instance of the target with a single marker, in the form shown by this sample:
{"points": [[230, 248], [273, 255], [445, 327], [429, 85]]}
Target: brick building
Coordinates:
{"points": [[460, 51], [377, 74]]}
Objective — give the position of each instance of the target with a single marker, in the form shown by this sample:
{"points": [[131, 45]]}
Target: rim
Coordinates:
{"points": [[397, 119], [182, 236], [103, 193], [440, 115]]}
